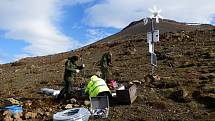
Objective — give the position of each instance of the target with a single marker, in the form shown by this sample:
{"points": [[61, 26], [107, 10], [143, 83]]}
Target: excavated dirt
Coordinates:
{"points": [[182, 88]]}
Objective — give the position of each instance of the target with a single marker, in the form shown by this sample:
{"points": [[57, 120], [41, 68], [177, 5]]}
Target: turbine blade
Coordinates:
{"points": [[155, 8], [159, 11], [159, 16]]}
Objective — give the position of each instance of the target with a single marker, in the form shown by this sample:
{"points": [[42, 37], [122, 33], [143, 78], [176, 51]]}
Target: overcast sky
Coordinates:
{"points": [[42, 27]]}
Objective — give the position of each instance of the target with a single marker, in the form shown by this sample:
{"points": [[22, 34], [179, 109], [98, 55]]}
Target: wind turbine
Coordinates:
{"points": [[153, 36], [155, 13]]}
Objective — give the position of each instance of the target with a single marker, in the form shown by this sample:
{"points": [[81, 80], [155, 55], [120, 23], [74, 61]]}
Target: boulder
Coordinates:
{"points": [[7, 118], [135, 82], [7, 113], [18, 115], [30, 115], [50, 109], [69, 106], [47, 114], [156, 77], [86, 103], [18, 119], [40, 111], [76, 105], [73, 101], [151, 78], [14, 101], [180, 95]]}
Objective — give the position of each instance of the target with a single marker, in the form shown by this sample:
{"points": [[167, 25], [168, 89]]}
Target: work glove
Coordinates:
{"points": [[77, 71]]}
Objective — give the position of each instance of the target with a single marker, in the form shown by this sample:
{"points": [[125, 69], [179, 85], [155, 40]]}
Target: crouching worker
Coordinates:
{"points": [[97, 87]]}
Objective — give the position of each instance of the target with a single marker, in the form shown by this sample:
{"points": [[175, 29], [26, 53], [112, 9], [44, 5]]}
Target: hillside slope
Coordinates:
{"points": [[185, 77]]}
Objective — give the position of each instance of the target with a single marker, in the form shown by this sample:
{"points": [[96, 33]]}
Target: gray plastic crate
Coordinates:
{"points": [[99, 103]]}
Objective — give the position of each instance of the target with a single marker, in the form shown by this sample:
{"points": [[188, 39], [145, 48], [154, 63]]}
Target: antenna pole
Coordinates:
{"points": [[153, 37], [152, 30]]}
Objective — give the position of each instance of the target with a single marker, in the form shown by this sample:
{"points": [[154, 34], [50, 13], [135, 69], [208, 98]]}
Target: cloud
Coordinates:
{"points": [[119, 13], [96, 34], [20, 56], [35, 22]]}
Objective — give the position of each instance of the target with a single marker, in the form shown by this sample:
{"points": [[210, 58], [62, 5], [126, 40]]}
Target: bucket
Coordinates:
{"points": [[75, 114]]}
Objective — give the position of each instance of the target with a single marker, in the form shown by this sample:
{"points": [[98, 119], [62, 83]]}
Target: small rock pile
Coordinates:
{"points": [[38, 108]]}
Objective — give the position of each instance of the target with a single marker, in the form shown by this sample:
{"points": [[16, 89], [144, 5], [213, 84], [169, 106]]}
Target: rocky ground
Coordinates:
{"points": [[182, 88]]}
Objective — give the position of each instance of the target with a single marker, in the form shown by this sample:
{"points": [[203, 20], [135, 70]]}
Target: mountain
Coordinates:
{"points": [[165, 25], [182, 87]]}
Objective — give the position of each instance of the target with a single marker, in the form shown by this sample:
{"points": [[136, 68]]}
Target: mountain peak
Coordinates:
{"points": [[164, 25]]}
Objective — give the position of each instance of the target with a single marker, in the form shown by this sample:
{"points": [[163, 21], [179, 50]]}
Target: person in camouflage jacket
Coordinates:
{"points": [[71, 68], [105, 63]]}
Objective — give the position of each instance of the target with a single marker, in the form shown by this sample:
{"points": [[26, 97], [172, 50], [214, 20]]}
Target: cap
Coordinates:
{"points": [[98, 73]]}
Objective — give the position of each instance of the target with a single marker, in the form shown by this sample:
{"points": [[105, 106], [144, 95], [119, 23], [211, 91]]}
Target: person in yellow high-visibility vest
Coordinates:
{"points": [[97, 87]]}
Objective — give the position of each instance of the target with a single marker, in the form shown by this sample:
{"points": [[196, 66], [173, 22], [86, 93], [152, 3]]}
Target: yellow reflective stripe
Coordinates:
{"points": [[96, 87], [98, 90], [95, 84]]}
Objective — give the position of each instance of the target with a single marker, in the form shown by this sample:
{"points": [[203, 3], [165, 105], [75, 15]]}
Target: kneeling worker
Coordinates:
{"points": [[97, 87]]}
